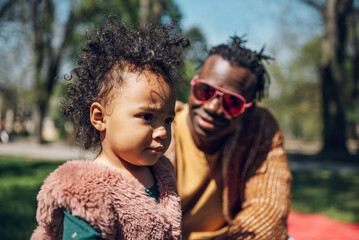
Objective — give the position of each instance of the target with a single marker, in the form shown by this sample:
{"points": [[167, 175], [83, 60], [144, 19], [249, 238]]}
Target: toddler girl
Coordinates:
{"points": [[122, 99]]}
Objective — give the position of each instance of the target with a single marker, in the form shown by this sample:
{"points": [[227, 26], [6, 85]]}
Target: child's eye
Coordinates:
{"points": [[146, 116], [169, 120]]}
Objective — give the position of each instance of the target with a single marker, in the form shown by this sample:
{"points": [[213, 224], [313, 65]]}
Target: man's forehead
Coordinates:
{"points": [[221, 72], [217, 65]]}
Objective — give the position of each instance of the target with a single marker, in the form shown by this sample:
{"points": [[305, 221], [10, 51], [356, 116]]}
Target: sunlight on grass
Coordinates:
{"points": [[20, 181], [334, 194]]}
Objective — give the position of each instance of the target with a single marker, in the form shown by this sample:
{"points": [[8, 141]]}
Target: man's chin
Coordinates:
{"points": [[205, 134]]}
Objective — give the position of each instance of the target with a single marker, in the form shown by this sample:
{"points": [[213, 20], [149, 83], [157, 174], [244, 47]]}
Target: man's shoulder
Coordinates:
{"points": [[261, 123], [263, 114], [262, 109]]}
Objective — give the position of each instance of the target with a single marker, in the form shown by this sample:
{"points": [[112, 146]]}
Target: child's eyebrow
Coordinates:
{"points": [[154, 109]]}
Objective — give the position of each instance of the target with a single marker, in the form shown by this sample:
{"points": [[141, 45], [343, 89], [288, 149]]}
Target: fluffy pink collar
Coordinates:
{"points": [[115, 205]]}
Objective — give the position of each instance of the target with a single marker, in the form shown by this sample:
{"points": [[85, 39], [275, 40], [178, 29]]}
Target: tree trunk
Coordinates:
{"points": [[354, 95], [37, 118], [333, 77], [151, 11], [334, 132], [355, 92], [45, 77]]}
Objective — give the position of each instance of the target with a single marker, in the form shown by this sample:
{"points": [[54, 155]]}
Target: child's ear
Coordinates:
{"points": [[97, 116]]}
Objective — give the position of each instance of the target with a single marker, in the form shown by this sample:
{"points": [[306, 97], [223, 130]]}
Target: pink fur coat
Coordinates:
{"points": [[116, 206]]}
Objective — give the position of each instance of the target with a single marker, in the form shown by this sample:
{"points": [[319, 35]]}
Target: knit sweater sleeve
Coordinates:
{"points": [[266, 197]]}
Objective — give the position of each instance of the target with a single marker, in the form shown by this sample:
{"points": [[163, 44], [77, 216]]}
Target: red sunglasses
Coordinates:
{"points": [[232, 103]]}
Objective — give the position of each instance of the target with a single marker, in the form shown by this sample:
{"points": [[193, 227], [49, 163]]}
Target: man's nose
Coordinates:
{"points": [[213, 106]]}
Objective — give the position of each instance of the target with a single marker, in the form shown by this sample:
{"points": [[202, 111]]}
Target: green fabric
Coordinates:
{"points": [[153, 192], [77, 228]]}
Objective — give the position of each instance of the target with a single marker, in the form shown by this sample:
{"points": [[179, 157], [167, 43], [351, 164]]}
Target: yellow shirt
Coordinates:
{"points": [[202, 219]]}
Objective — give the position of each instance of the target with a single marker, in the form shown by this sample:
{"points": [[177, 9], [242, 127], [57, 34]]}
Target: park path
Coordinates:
{"points": [[50, 151], [67, 151]]}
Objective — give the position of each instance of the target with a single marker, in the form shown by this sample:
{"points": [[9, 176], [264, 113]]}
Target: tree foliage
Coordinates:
{"points": [[294, 95], [56, 28], [195, 55], [339, 53]]}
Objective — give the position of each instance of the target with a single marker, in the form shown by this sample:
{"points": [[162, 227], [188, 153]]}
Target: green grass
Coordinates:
{"points": [[20, 181], [334, 194]]}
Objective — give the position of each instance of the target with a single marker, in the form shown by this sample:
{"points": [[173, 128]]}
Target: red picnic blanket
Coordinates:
{"points": [[302, 226]]}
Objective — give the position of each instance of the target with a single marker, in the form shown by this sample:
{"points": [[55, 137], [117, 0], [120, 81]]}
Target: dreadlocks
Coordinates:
{"points": [[236, 53]]}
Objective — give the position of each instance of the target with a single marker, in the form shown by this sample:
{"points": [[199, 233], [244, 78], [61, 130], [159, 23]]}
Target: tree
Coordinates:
{"points": [[338, 17], [154, 10], [294, 97], [49, 44], [195, 54], [47, 56]]}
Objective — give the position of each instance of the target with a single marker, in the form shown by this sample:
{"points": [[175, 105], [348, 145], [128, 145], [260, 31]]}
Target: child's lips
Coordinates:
{"points": [[156, 149]]}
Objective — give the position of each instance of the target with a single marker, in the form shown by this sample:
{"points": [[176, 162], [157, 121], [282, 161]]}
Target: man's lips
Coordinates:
{"points": [[205, 123]]}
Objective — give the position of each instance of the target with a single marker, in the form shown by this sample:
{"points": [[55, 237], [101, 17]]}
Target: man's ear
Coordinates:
{"points": [[97, 116]]}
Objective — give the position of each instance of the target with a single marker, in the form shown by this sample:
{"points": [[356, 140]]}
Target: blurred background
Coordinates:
{"points": [[314, 90], [314, 78]]}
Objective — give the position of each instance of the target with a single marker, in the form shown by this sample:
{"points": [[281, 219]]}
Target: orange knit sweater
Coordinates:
{"points": [[254, 180]]}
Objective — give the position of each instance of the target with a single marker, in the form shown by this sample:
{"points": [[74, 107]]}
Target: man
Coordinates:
{"points": [[232, 172]]}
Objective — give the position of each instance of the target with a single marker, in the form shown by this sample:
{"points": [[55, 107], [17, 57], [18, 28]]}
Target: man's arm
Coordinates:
{"points": [[267, 198]]}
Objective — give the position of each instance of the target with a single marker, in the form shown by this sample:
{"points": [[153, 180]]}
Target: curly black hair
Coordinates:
{"points": [[115, 45], [236, 53]]}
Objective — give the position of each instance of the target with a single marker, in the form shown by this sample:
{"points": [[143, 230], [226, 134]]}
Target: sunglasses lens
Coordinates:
{"points": [[203, 92], [232, 104]]}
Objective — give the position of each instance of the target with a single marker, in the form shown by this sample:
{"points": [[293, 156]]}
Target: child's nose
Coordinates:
{"points": [[213, 106], [160, 133]]}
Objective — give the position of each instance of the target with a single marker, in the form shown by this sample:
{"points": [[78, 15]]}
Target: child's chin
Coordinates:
{"points": [[150, 163]]}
